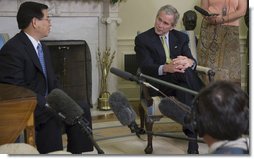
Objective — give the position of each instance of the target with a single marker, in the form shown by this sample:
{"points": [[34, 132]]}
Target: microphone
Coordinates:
{"points": [[180, 113], [125, 75], [124, 112], [120, 106], [175, 110], [126, 115], [203, 12], [131, 77], [66, 108]]}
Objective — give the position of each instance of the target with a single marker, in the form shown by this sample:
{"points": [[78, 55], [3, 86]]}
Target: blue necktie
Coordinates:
{"points": [[41, 58], [42, 61]]}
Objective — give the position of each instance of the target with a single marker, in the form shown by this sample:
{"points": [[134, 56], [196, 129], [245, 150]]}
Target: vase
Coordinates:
{"points": [[103, 101], [104, 95], [105, 62]]}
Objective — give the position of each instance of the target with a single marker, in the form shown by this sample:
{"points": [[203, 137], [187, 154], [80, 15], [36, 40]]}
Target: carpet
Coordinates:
{"points": [[115, 139]]}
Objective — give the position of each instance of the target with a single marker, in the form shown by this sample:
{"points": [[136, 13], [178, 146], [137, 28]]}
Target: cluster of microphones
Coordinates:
{"points": [[168, 106], [71, 113]]}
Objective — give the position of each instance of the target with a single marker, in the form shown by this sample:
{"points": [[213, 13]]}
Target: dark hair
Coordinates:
{"points": [[223, 110], [27, 11]]}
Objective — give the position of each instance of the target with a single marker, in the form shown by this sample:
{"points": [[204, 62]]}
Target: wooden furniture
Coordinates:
{"points": [[17, 105]]}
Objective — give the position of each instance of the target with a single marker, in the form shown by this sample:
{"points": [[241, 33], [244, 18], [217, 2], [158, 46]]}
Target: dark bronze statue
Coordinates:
{"points": [[189, 20]]}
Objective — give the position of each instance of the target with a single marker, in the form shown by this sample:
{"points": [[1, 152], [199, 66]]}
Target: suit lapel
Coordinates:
{"points": [[172, 44], [158, 45], [31, 51]]}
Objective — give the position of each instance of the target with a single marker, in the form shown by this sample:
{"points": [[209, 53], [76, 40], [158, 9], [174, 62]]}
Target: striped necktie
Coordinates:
{"points": [[41, 59], [166, 48]]}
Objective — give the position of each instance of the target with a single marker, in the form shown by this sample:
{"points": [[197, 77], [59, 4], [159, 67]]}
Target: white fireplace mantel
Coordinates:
{"points": [[94, 21]]}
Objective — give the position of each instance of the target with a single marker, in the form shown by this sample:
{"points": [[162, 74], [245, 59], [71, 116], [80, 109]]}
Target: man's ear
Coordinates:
{"points": [[173, 27], [34, 22]]}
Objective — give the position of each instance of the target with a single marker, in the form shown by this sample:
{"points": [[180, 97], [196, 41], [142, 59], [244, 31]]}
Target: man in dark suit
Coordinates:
{"points": [[163, 52], [20, 65]]}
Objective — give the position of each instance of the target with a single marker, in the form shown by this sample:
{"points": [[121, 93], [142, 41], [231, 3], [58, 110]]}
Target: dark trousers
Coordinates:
{"points": [[49, 137], [189, 80]]}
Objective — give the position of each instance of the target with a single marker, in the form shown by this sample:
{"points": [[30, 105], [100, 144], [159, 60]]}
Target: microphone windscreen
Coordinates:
{"points": [[201, 11], [174, 109], [64, 105], [121, 108], [122, 74]]}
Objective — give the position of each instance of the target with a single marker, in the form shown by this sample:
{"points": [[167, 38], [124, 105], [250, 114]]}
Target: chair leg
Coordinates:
{"points": [[149, 127], [141, 116]]}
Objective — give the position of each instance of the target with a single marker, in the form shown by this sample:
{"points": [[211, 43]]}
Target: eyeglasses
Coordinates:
{"points": [[47, 19]]}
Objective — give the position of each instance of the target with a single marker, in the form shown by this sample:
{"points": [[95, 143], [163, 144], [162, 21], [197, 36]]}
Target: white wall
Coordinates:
{"points": [[72, 20], [140, 15]]}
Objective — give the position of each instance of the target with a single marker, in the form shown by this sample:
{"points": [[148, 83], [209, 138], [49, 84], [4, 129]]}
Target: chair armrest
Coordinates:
{"points": [[206, 70], [203, 69]]}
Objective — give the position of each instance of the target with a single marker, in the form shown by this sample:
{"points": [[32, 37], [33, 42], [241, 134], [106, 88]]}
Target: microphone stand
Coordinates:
{"points": [[135, 129], [167, 84], [156, 89], [84, 127], [174, 137], [83, 123], [130, 77]]}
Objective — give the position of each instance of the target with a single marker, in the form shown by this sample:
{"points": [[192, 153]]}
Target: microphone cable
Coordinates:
{"points": [[154, 88]]}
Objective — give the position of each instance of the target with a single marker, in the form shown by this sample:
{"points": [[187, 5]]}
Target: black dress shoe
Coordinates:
{"points": [[192, 151], [192, 147]]}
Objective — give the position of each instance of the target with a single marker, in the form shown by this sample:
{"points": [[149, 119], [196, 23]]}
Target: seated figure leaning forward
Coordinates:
{"points": [[163, 52]]}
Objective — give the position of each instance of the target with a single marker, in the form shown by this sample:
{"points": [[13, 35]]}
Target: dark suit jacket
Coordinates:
{"points": [[150, 52], [19, 65], [150, 55]]}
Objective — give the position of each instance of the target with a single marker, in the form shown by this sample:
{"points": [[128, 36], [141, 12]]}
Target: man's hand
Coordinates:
{"points": [[215, 19], [179, 64]]}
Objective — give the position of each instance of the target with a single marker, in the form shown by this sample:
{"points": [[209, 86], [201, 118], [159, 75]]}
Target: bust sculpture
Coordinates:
{"points": [[189, 20]]}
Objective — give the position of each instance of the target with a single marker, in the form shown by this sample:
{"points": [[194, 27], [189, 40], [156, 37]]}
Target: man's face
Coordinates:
{"points": [[163, 23], [43, 25]]}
